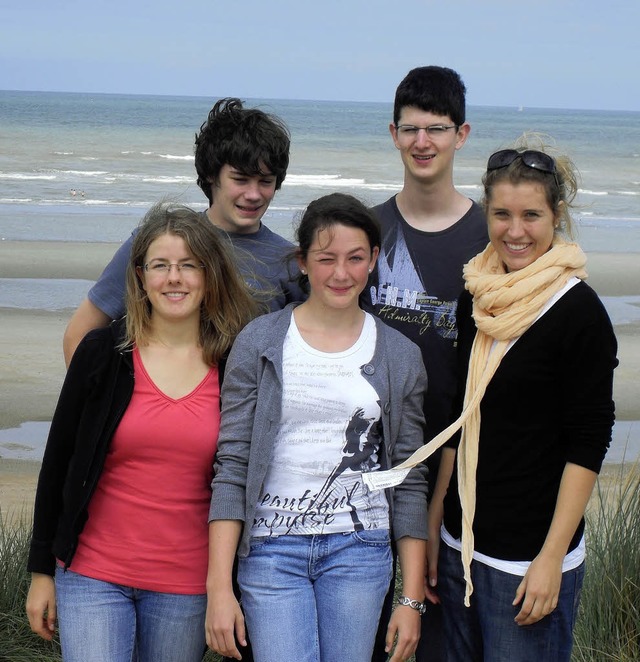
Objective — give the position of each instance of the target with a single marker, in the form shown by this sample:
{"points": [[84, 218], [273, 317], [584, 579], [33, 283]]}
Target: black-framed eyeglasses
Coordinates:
{"points": [[532, 158], [433, 130], [163, 268]]}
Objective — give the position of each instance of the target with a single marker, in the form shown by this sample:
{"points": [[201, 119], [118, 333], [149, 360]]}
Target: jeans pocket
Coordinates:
{"points": [[259, 542], [373, 537]]}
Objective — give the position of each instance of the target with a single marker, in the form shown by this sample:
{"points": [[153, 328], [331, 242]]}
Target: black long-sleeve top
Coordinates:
{"points": [[549, 403]]}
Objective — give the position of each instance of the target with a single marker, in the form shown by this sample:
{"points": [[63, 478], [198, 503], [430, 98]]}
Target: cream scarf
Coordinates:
{"points": [[505, 305]]}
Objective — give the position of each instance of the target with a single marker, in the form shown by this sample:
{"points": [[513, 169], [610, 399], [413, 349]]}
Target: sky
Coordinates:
{"points": [[582, 54]]}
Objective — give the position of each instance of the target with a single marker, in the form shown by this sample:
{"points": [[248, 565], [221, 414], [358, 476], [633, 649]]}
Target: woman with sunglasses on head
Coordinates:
{"points": [[537, 354], [121, 507], [315, 397]]}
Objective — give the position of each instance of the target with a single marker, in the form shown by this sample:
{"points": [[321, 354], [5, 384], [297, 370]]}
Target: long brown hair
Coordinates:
{"points": [[228, 304]]}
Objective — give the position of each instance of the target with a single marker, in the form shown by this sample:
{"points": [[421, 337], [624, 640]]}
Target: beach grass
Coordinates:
{"points": [[607, 629], [608, 626], [17, 642]]}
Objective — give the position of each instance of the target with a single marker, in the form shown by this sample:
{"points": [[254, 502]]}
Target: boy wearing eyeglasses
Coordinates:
{"points": [[429, 231], [241, 159]]}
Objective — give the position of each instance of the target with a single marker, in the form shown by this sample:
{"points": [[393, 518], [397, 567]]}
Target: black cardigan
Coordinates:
{"points": [[94, 397], [549, 403]]}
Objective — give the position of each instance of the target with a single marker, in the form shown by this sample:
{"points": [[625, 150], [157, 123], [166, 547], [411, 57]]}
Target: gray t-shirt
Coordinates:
{"points": [[262, 258]]}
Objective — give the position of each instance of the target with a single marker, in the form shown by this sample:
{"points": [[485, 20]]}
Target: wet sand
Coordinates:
{"points": [[32, 366]]}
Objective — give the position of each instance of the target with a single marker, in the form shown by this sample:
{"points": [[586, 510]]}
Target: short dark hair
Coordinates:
{"points": [[437, 90], [247, 139], [329, 210]]}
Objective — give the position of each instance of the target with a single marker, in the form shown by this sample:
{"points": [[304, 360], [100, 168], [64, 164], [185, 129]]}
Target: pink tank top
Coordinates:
{"points": [[147, 525]]}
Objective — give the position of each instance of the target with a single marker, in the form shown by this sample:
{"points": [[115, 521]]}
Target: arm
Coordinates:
{"points": [[41, 605], [436, 514], [59, 453], [541, 585], [224, 620], [224, 623], [404, 625], [105, 301], [590, 349], [87, 317], [409, 506]]}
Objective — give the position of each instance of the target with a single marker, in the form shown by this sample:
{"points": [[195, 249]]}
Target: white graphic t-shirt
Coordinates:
{"points": [[329, 435]]}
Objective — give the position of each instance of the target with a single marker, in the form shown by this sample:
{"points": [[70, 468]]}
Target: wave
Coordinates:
{"points": [[173, 157], [322, 181], [73, 202], [26, 177], [164, 179], [622, 192], [83, 173], [119, 203], [588, 192]]}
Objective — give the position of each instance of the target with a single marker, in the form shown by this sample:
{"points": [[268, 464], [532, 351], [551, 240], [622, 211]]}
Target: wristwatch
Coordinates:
{"points": [[420, 607]]}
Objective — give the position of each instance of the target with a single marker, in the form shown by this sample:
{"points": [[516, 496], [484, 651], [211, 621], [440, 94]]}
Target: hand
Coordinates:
{"points": [[41, 605], [431, 569], [224, 624], [540, 588], [436, 514], [404, 628]]}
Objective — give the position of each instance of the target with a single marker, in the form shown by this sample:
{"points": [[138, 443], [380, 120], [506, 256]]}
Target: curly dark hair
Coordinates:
{"points": [[248, 139]]}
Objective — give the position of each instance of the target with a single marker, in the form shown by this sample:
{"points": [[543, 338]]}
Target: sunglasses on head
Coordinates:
{"points": [[530, 157]]}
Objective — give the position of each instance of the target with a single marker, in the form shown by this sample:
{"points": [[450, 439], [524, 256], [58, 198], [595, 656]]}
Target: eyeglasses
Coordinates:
{"points": [[164, 268], [532, 158], [433, 131]]}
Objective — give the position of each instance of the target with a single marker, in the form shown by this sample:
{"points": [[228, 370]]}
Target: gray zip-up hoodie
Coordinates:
{"points": [[251, 409]]}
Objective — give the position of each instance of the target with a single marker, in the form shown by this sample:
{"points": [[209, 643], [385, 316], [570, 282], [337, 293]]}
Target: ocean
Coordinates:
{"points": [[121, 153], [85, 167]]}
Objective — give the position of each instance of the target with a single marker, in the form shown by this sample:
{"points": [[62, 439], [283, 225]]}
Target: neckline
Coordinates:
{"points": [[138, 364], [368, 327]]}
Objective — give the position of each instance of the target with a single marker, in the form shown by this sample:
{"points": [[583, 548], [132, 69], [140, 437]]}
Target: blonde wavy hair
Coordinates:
{"points": [[560, 188]]}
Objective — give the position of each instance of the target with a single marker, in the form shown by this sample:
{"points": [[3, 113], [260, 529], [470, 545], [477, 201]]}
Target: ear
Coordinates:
{"points": [[213, 185], [302, 263], [140, 274], [374, 257], [557, 217], [463, 133], [394, 134]]}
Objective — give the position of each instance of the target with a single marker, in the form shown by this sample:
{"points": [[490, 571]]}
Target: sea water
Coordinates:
{"points": [[85, 167]]}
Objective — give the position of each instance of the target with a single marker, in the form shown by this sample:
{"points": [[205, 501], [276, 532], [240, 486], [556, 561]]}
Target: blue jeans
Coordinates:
{"points": [[486, 631], [315, 598], [102, 622]]}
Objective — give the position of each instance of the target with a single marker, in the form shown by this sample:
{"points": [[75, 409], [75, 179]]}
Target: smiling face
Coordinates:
{"points": [[338, 264], [175, 294], [427, 157], [240, 200], [521, 223]]}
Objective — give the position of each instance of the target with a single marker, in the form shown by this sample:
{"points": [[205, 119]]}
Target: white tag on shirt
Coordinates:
{"points": [[381, 480]]}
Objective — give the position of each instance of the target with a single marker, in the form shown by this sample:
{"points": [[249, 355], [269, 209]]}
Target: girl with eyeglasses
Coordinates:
{"points": [[537, 354], [121, 507], [316, 397]]}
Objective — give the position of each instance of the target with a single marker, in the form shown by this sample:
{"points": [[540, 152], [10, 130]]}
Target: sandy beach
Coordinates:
{"points": [[32, 367]]}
